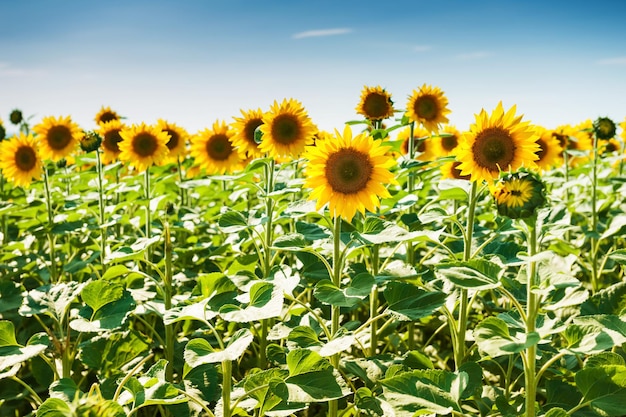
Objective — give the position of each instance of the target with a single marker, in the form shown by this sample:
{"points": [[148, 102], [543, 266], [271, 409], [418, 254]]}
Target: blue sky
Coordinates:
{"points": [[196, 61]]}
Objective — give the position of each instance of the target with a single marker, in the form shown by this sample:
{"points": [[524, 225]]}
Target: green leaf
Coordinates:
{"points": [[301, 361], [478, 274], [493, 337], [13, 355], [53, 299], [557, 412], [408, 302], [115, 271], [365, 402], [7, 334], [291, 241], [312, 231], [232, 222], [420, 391], [199, 351], [54, 407], [266, 301], [111, 316], [203, 378], [604, 387], [64, 389], [304, 337], [108, 354], [619, 256], [604, 358], [358, 289], [196, 311], [587, 338], [378, 231], [99, 293], [611, 300], [610, 324], [316, 386]]}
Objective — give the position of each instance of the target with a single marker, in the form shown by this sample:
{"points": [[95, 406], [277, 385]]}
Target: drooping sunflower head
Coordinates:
{"points": [[106, 115], [19, 159], [214, 150], [518, 195], [604, 128], [90, 141], [177, 140], [58, 137], [245, 129], [348, 173], [495, 143], [423, 144], [286, 130], [428, 106], [143, 145], [550, 150], [450, 170], [375, 103], [110, 134]]}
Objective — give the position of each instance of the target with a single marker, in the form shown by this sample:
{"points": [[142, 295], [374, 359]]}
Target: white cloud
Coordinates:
{"points": [[474, 55], [422, 48], [7, 70], [321, 32], [620, 60]]}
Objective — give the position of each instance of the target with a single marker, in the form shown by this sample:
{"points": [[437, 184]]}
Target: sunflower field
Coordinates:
{"points": [[397, 266]]}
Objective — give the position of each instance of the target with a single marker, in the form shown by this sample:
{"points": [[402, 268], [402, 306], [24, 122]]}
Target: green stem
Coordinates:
{"points": [[374, 303], [53, 267], [409, 246], [148, 227], [129, 375], [531, 320], [103, 230], [167, 291], [333, 405], [181, 180], [267, 258], [30, 390], [595, 284], [227, 369]]}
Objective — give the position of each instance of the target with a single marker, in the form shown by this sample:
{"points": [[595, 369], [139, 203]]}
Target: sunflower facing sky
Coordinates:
{"points": [[106, 115], [375, 103], [110, 133], [348, 173], [549, 151], [214, 150], [177, 139], [244, 128], [19, 159], [428, 106], [143, 145], [58, 137], [286, 129], [495, 143]]}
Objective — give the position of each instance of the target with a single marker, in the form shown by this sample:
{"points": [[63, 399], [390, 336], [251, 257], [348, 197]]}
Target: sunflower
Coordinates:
{"points": [[349, 173], [106, 115], [428, 107], [550, 151], [496, 143], [214, 150], [143, 145], [519, 195], [110, 133], [286, 129], [57, 137], [245, 131], [423, 144], [447, 140], [610, 146], [177, 141], [19, 159], [3, 132], [375, 103], [450, 170], [604, 128]]}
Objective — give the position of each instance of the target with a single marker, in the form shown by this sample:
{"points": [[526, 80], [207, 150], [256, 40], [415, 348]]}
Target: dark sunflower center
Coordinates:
{"points": [[59, 137], [449, 142], [250, 128], [285, 129], [611, 147], [111, 141], [543, 149], [493, 149], [25, 158], [516, 193], [145, 144], [416, 145], [456, 172], [219, 147], [426, 107], [561, 138], [174, 138], [348, 171], [107, 117], [376, 106]]}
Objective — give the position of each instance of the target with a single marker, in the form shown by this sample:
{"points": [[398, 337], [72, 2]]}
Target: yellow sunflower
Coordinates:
{"points": [[349, 173], [110, 133], [550, 151], [57, 137], [518, 195], [286, 129], [245, 128], [428, 107], [19, 159], [623, 126], [496, 143], [422, 142], [213, 150], [375, 103], [577, 138], [106, 115], [143, 145], [447, 140], [450, 170], [177, 141], [610, 146]]}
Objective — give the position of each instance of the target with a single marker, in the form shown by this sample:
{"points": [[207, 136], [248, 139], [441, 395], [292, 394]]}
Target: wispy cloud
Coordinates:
{"points": [[474, 55], [422, 48], [7, 70], [620, 60], [321, 32]]}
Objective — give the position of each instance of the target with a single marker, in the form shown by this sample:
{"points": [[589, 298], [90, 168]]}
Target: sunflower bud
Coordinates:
{"points": [[16, 117], [61, 163], [604, 128], [90, 141], [519, 195]]}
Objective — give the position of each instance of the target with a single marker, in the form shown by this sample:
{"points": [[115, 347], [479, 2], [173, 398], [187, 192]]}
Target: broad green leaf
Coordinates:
{"points": [[611, 300], [115, 271], [291, 241], [108, 354], [196, 311], [266, 301], [604, 358], [99, 293], [304, 337], [557, 412], [7, 334], [64, 389], [478, 274], [617, 224], [408, 302], [378, 231], [205, 379], [55, 407], [365, 401], [53, 299], [619, 256], [493, 337], [13, 355], [610, 324], [312, 231], [587, 338], [412, 392], [316, 386], [232, 222], [301, 361], [199, 351], [337, 345], [604, 387], [10, 295], [111, 316], [358, 289]]}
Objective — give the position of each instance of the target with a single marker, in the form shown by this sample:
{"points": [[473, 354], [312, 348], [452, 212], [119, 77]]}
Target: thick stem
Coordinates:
{"points": [[168, 293], [410, 251], [333, 405], [148, 226], [103, 230], [53, 266], [181, 180], [374, 303], [531, 319], [227, 369], [595, 284]]}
